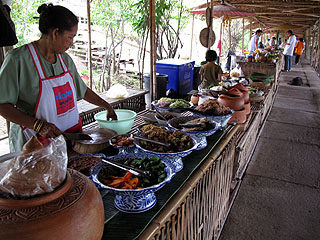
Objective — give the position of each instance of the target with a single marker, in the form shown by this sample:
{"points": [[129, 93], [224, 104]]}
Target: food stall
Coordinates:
{"points": [[195, 201]]}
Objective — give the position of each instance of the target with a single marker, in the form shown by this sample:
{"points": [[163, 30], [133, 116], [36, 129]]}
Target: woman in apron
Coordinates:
{"points": [[40, 85]]}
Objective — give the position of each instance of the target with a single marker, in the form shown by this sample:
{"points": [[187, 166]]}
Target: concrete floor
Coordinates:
{"points": [[279, 197]]}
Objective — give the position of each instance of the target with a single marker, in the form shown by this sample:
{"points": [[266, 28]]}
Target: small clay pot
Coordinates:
{"points": [[243, 90], [232, 98], [247, 106], [239, 116], [194, 99]]}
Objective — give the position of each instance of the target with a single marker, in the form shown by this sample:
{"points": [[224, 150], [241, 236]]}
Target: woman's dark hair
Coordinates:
{"points": [[290, 31], [211, 56], [52, 17], [301, 39], [258, 31]]}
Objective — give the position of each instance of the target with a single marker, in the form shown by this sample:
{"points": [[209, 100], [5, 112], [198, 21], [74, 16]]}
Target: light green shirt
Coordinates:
{"points": [[20, 85]]}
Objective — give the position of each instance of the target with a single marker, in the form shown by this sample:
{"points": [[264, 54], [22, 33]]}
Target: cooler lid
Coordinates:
{"points": [[172, 61]]}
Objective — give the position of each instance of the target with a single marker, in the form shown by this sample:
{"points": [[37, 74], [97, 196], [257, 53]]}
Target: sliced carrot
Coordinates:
{"points": [[127, 177], [134, 182], [116, 183]]}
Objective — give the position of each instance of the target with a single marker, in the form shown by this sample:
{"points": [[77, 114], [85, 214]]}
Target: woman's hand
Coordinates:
{"points": [[111, 113], [49, 130]]}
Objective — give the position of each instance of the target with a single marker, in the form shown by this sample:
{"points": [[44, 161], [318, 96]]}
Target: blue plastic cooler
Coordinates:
{"points": [[180, 74]]}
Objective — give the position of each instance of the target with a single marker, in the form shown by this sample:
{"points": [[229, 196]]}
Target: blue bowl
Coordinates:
{"points": [[222, 119], [174, 160], [131, 200], [174, 124]]}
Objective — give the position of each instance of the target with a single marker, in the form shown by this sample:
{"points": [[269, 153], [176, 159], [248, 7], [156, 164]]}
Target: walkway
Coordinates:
{"points": [[279, 197]]}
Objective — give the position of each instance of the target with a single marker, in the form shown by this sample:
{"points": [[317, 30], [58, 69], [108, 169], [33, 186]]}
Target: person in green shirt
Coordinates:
{"points": [[210, 72], [40, 84]]}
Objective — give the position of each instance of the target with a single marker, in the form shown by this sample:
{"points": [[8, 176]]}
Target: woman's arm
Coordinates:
{"points": [[12, 114], [94, 98]]}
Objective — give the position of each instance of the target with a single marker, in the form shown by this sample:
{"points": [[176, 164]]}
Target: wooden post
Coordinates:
{"points": [[89, 43], [312, 44], [229, 35], [153, 76], [221, 30], [250, 32], [242, 35], [306, 43], [191, 37]]}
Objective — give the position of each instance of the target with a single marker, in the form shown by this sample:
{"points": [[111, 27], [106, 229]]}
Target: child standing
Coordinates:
{"points": [[210, 72]]}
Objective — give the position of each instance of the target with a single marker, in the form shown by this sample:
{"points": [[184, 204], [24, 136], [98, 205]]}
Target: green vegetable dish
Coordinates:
{"points": [[153, 165]]}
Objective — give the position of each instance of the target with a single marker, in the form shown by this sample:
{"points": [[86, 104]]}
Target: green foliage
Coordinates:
{"points": [[22, 14]]}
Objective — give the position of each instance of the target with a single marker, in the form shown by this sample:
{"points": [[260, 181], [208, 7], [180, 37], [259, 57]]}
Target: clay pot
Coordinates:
{"points": [[238, 116], [247, 107], [73, 211], [243, 90], [194, 99], [232, 98]]}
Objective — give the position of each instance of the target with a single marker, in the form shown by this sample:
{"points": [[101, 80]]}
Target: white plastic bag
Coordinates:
{"points": [[35, 173], [117, 91]]}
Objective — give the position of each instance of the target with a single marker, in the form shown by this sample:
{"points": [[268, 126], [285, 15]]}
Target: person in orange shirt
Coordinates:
{"points": [[299, 49]]}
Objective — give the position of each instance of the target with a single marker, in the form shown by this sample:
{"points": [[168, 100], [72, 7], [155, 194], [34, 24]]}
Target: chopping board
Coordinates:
{"points": [[100, 140]]}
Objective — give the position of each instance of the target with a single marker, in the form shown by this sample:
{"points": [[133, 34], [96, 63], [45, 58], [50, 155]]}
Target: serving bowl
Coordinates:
{"points": [[130, 200], [167, 109], [84, 163], [122, 125], [175, 124], [125, 147], [174, 160], [168, 116], [220, 119]]}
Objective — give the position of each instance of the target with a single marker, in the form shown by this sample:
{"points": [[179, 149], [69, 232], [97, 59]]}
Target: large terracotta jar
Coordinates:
{"points": [[243, 90], [73, 211], [232, 98]]}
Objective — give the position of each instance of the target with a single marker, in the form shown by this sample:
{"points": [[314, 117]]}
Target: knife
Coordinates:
{"points": [[76, 136]]}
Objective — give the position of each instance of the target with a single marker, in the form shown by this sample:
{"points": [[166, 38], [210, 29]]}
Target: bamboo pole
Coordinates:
{"points": [[242, 35], [89, 43], [191, 37], [153, 70]]}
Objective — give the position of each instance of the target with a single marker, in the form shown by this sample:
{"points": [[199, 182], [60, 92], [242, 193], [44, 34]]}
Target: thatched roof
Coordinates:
{"points": [[272, 13]]}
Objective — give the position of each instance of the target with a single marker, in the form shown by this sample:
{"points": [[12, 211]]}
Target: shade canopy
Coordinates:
{"points": [[224, 10]]}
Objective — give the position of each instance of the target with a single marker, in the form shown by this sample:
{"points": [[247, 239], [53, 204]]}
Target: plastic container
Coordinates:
{"points": [[122, 125], [180, 74], [162, 80]]}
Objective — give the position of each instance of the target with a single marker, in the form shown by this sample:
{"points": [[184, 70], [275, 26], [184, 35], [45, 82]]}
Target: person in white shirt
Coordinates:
{"points": [[253, 44], [288, 51]]}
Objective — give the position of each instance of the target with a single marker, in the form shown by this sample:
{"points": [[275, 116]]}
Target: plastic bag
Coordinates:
{"points": [[117, 91], [35, 173]]}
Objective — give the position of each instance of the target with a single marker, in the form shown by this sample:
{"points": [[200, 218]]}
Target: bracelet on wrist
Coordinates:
{"points": [[38, 125]]}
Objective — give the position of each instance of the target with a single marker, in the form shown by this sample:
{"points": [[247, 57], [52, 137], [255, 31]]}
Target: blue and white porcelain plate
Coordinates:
{"points": [[175, 122], [131, 200]]}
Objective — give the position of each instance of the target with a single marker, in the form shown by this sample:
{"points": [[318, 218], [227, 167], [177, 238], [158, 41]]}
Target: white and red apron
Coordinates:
{"points": [[57, 100]]}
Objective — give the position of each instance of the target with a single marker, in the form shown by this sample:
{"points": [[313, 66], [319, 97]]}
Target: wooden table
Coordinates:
{"points": [[135, 101]]}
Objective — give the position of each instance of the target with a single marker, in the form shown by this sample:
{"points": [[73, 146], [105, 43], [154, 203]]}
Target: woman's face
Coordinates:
{"points": [[65, 40]]}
